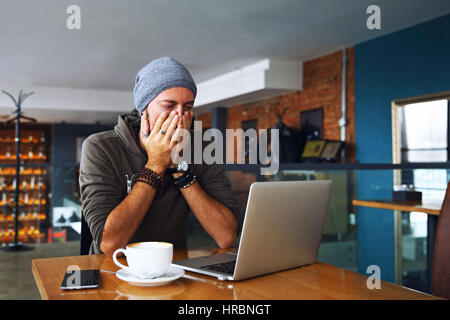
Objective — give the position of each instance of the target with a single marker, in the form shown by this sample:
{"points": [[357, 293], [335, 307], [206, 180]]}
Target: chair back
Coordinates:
{"points": [[441, 257], [86, 237]]}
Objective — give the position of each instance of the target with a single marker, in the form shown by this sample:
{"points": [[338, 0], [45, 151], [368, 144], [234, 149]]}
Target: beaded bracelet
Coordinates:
{"points": [[150, 177]]}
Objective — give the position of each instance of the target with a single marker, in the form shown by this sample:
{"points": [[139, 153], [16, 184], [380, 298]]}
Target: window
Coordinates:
{"points": [[424, 138], [423, 128], [424, 131]]}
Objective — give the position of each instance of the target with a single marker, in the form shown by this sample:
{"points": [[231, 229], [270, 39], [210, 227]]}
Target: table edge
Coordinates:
{"points": [[382, 205], [38, 281]]}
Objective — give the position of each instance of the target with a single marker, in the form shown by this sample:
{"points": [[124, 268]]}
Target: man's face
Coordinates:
{"points": [[179, 99]]}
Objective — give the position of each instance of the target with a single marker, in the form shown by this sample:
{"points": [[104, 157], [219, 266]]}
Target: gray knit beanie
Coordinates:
{"points": [[159, 75]]}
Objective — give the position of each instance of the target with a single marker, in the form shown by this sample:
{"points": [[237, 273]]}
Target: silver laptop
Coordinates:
{"points": [[282, 230]]}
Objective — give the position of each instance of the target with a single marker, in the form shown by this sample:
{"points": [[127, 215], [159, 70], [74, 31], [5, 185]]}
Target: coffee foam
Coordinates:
{"points": [[148, 245]]}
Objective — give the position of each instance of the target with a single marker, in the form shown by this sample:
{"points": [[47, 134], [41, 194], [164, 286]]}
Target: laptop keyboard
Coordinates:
{"points": [[225, 267]]}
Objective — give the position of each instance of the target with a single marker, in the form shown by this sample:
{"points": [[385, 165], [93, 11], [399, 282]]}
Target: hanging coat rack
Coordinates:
{"points": [[16, 245]]}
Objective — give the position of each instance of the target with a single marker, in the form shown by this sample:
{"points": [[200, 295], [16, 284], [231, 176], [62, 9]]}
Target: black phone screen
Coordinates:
{"points": [[80, 279]]}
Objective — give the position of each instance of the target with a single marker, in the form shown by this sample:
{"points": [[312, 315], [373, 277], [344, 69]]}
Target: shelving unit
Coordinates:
{"points": [[33, 184]]}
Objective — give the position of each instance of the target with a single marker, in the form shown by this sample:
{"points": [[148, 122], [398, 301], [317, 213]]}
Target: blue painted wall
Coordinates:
{"points": [[408, 63]]}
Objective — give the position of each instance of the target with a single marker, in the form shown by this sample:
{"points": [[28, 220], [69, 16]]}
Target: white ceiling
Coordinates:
{"points": [[210, 37]]}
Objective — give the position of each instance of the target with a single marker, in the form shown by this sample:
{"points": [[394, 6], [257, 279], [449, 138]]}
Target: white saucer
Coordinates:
{"points": [[171, 274]]}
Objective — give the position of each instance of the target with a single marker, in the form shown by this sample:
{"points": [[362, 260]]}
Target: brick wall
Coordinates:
{"points": [[322, 88]]}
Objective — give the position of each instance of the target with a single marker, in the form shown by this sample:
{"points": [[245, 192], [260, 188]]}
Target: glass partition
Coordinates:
{"points": [[347, 241]]}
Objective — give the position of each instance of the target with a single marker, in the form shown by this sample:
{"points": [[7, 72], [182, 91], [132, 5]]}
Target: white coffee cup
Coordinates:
{"points": [[146, 260]]}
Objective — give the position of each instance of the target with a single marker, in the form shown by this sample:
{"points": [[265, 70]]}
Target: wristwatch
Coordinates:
{"points": [[181, 167]]}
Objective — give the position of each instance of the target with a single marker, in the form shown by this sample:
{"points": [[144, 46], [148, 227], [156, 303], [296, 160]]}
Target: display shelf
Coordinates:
{"points": [[7, 172], [25, 187], [28, 190], [29, 217], [24, 238], [24, 157], [34, 203], [22, 142], [31, 180], [27, 136]]}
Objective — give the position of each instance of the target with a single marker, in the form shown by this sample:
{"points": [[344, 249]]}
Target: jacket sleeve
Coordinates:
{"points": [[99, 187], [215, 183]]}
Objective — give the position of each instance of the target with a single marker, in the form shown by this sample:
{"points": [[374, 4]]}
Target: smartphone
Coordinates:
{"points": [[80, 279]]}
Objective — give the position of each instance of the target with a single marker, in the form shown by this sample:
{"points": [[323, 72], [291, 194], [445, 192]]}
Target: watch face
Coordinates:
{"points": [[183, 166]]}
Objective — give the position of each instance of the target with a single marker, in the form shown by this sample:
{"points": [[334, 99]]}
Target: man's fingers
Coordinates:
{"points": [[176, 135], [167, 122], [158, 123], [180, 135], [182, 129], [145, 128], [173, 125]]}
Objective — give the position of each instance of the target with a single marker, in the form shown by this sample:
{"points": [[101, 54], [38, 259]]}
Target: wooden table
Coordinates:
{"points": [[316, 281], [430, 207]]}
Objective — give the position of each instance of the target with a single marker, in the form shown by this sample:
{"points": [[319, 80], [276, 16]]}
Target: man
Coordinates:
{"points": [[132, 191]]}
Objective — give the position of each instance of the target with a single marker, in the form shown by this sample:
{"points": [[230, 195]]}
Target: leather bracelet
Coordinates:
{"points": [[172, 170], [182, 177], [150, 177], [185, 180], [188, 184]]}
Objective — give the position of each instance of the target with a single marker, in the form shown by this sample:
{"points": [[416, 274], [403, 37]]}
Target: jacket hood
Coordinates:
{"points": [[127, 128]]}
